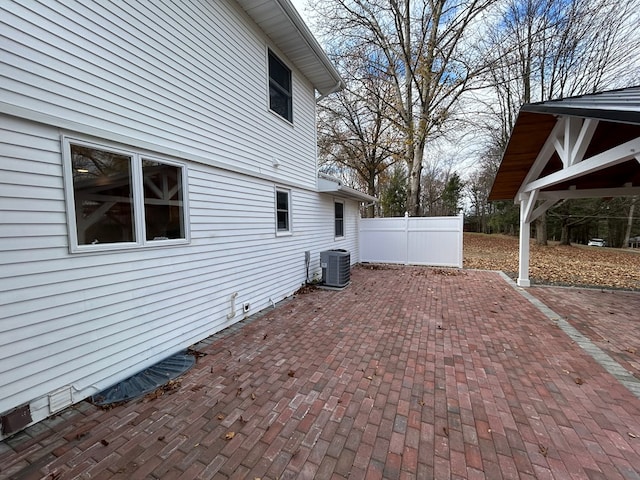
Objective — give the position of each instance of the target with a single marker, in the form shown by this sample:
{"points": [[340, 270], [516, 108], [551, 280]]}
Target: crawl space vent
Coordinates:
{"points": [[145, 381]]}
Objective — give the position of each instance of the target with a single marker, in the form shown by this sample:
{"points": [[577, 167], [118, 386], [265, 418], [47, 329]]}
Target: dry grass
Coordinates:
{"points": [[556, 264]]}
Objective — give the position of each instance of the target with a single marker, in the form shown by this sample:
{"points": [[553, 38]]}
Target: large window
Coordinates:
{"points": [[283, 211], [120, 198], [280, 97], [339, 219]]}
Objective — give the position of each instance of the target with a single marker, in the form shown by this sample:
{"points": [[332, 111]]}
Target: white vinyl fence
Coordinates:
{"points": [[435, 241]]}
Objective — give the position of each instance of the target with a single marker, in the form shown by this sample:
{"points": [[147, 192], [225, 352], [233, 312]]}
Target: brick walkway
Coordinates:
{"points": [[609, 318], [408, 373]]}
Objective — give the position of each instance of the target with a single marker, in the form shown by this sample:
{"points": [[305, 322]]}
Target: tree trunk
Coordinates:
{"points": [[627, 233], [541, 230], [415, 175], [564, 236], [371, 190]]}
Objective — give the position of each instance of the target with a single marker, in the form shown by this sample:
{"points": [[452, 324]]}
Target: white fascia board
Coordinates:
{"points": [[609, 158]]}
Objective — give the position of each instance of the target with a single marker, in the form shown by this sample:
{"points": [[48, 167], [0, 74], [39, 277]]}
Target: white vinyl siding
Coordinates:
{"points": [[160, 73], [91, 320]]}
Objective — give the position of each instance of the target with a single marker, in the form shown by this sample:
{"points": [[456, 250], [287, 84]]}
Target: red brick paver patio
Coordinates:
{"points": [[609, 318], [408, 373]]}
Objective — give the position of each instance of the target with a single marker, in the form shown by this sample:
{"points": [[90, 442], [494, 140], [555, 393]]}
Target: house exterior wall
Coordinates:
{"points": [[182, 77], [71, 324]]}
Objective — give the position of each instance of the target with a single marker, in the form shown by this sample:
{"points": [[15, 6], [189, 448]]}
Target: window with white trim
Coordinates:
{"points": [[280, 92], [120, 198], [283, 211], [339, 219]]}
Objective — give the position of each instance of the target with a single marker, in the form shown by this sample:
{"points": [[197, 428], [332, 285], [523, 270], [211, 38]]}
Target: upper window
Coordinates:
{"points": [[122, 198], [283, 211], [339, 219], [280, 96]]}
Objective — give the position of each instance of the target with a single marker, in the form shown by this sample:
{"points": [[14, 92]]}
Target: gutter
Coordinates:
{"points": [[339, 86]]}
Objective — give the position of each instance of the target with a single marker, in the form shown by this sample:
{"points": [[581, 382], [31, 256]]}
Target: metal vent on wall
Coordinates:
{"points": [[336, 268]]}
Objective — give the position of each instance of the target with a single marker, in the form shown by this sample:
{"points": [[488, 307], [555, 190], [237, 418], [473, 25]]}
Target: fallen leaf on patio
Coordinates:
{"points": [[579, 381], [104, 442], [632, 435], [229, 435], [630, 350], [422, 403], [543, 450], [369, 377], [566, 371], [445, 431], [253, 396], [220, 416], [265, 336], [161, 438], [238, 392], [292, 373]]}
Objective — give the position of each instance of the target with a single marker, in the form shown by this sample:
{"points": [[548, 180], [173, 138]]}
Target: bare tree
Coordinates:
{"points": [[354, 127], [421, 48], [545, 49]]}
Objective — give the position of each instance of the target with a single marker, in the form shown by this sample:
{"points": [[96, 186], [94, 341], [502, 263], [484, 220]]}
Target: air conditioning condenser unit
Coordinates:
{"points": [[336, 268]]}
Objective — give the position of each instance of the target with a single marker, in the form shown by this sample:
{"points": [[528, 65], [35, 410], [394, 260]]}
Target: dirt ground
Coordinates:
{"points": [[554, 264]]}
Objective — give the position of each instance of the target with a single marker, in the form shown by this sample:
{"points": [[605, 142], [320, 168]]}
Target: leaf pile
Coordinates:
{"points": [[556, 264]]}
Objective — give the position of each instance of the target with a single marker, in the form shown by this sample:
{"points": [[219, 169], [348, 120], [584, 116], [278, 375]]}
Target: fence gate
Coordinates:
{"points": [[435, 241]]}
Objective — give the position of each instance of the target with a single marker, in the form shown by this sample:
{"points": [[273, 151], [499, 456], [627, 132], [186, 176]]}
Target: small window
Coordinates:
{"points": [[280, 97], [163, 203], [283, 211], [339, 219], [120, 199]]}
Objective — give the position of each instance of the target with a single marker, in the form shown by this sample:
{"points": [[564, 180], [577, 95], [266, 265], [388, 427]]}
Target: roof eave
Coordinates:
{"points": [[333, 186], [285, 27], [621, 116]]}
